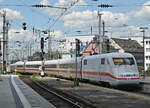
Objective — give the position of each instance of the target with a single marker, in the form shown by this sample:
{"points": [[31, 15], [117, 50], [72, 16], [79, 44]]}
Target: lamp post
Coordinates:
{"points": [[143, 30], [100, 39]]}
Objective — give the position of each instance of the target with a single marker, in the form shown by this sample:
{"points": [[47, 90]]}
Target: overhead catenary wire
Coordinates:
{"points": [[73, 4], [34, 5]]}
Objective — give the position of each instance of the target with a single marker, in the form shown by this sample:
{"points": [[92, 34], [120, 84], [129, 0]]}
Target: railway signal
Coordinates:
{"points": [[77, 47], [108, 46], [42, 43], [76, 80], [24, 26], [0, 49], [42, 57]]}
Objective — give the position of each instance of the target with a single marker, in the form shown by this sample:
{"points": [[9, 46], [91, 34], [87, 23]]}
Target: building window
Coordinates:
{"points": [[147, 49], [146, 57]]}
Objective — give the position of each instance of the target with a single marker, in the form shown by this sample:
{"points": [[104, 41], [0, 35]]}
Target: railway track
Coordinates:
{"points": [[54, 96]]}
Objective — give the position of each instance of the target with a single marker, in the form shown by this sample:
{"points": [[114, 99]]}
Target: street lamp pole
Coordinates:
{"points": [[4, 42], [144, 70]]}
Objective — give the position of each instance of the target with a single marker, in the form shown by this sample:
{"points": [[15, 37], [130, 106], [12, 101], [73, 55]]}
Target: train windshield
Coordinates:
{"points": [[123, 61]]}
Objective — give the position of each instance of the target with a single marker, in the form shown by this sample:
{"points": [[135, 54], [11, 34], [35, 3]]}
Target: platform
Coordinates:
{"points": [[145, 80], [15, 94], [99, 96]]}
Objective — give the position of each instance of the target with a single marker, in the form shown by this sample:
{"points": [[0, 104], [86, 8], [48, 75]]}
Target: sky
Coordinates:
{"points": [[123, 19]]}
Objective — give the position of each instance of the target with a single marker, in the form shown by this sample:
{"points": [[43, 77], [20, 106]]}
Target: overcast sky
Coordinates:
{"points": [[123, 19]]}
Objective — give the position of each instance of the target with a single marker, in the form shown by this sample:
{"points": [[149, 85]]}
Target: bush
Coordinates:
{"points": [[148, 71], [34, 77], [4, 69], [15, 73], [50, 75], [140, 69]]}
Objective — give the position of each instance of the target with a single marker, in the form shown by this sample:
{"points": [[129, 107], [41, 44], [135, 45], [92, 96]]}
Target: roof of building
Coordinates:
{"points": [[129, 45], [147, 37]]}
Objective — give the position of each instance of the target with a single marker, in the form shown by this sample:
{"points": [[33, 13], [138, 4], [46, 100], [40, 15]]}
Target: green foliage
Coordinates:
{"points": [[15, 73], [50, 75], [4, 69], [34, 77], [148, 71], [58, 79], [140, 69]]}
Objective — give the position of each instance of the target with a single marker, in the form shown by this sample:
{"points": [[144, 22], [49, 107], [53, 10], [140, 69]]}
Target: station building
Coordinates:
{"points": [[147, 52], [146, 49]]}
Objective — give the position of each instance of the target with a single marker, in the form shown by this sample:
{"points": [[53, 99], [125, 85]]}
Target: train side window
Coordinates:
{"points": [[102, 60], [85, 62]]}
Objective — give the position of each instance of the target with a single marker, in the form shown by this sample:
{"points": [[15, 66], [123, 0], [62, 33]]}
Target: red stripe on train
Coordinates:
{"points": [[88, 73]]}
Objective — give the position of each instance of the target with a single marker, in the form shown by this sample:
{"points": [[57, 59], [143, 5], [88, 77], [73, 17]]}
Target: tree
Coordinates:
{"points": [[140, 69], [148, 71]]}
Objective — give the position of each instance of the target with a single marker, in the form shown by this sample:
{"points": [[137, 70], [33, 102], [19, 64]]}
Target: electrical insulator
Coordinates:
{"points": [[105, 5], [39, 6]]}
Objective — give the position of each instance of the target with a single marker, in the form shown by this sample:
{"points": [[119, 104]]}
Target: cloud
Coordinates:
{"points": [[26, 35], [44, 2], [141, 13], [60, 3], [1, 1], [124, 31], [20, 35], [80, 19], [57, 33], [88, 18], [11, 14], [114, 18]]}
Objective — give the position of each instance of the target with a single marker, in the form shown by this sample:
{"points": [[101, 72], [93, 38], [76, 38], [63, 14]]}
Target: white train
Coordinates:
{"points": [[111, 68]]}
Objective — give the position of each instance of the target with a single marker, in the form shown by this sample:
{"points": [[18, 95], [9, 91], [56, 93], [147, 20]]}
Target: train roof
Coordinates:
{"points": [[60, 61], [51, 62], [18, 63], [68, 60], [110, 55], [72, 60], [33, 63], [117, 54]]}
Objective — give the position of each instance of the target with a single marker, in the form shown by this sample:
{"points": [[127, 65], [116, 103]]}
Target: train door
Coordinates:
{"points": [[84, 69], [105, 70], [102, 69]]}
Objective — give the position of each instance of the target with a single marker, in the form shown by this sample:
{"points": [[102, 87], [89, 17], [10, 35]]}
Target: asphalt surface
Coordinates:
{"points": [[99, 96]]}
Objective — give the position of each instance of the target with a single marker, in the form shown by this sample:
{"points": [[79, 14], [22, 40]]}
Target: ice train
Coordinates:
{"points": [[112, 68]]}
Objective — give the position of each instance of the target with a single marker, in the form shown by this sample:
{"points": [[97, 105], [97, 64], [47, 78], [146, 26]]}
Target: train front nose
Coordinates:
{"points": [[128, 79]]}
